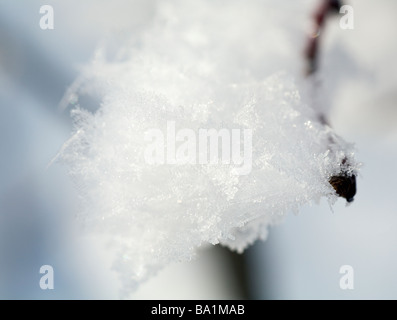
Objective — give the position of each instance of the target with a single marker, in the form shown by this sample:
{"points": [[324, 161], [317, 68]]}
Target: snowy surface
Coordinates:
{"points": [[244, 50], [181, 70]]}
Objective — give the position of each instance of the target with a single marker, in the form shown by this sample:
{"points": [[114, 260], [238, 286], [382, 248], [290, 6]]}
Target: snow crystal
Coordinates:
{"points": [[198, 67]]}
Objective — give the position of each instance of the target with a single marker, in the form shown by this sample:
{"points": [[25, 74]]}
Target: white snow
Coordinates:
{"points": [[202, 65]]}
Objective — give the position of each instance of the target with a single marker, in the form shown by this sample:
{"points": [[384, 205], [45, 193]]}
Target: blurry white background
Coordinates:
{"points": [[300, 259]]}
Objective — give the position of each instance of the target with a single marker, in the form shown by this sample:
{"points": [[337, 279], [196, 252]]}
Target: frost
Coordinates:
{"points": [[199, 70]]}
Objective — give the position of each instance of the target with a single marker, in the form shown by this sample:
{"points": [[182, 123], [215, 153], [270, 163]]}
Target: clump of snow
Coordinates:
{"points": [[200, 65]]}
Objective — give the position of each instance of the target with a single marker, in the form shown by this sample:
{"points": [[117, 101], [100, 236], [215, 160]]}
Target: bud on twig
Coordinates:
{"points": [[344, 182]]}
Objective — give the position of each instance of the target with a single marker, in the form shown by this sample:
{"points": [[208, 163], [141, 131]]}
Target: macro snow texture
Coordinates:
{"points": [[199, 65]]}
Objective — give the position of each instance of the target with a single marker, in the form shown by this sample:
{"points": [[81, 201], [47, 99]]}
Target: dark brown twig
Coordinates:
{"points": [[319, 18], [344, 183]]}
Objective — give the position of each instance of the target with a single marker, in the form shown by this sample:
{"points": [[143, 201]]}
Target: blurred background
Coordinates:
{"points": [[302, 256]]}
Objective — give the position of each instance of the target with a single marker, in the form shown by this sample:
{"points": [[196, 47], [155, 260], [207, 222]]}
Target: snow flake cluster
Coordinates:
{"points": [[198, 65]]}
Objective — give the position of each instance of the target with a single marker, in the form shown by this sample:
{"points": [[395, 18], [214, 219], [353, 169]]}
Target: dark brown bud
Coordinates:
{"points": [[344, 185]]}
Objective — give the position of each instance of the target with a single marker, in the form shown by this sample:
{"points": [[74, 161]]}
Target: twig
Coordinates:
{"points": [[344, 183], [319, 18]]}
